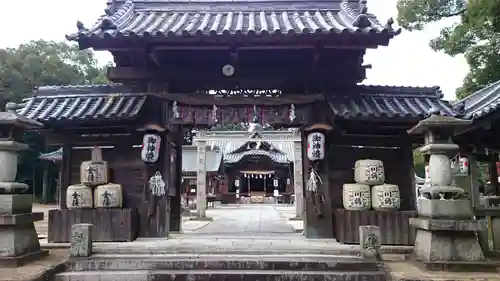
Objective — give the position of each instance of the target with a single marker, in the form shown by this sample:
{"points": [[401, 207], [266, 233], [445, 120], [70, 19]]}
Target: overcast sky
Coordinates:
{"points": [[408, 61]]}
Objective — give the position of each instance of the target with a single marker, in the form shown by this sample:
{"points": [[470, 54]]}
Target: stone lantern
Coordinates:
{"points": [[445, 228], [18, 237]]}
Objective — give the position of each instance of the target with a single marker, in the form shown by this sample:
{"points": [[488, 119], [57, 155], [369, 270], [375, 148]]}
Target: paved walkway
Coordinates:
{"points": [[246, 219]]}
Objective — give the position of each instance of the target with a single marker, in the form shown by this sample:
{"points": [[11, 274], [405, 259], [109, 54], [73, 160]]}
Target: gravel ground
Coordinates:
{"points": [[37, 270]]}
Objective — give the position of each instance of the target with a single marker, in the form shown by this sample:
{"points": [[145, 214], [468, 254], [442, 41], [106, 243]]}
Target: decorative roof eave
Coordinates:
{"points": [[186, 21], [81, 104], [234, 158], [481, 103], [391, 103]]}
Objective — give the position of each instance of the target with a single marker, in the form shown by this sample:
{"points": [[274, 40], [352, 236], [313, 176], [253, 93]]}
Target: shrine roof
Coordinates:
{"points": [[189, 154], [278, 157], [230, 141], [195, 18], [480, 103], [80, 103], [391, 102]]}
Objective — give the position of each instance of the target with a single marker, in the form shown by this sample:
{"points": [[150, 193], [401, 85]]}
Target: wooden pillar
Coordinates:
{"points": [[65, 179], [474, 183], [318, 219], [175, 200], [298, 179], [45, 186], [493, 172], [407, 157], [201, 179]]}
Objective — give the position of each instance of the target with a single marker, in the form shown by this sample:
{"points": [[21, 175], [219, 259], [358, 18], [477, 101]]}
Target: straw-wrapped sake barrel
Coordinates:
{"points": [[385, 197], [356, 196], [108, 196], [79, 196], [94, 173], [368, 171]]}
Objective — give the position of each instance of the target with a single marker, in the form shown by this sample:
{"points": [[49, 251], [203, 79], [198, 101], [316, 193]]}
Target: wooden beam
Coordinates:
{"points": [[213, 73], [210, 100]]}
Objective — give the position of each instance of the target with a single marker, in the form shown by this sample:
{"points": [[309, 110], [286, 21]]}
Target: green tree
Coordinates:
{"points": [[476, 34], [41, 63]]}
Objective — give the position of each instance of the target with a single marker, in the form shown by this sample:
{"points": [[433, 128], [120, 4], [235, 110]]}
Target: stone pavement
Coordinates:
{"points": [[38, 270], [42, 226], [288, 212], [245, 219]]}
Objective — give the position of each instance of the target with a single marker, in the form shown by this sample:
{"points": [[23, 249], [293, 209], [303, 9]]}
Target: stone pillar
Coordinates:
{"points": [[18, 237], [81, 240], [201, 180], [445, 228], [297, 179]]}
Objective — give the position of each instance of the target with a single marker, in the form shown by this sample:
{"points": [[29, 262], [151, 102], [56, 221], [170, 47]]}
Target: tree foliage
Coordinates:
{"points": [[476, 34], [41, 63]]}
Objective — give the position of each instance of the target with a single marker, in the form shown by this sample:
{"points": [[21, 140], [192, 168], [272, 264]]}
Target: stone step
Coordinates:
{"points": [[215, 275], [222, 262]]}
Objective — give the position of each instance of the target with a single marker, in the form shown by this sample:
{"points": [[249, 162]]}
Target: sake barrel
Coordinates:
{"points": [[369, 172], [79, 196], [356, 196], [385, 197], [94, 173], [108, 196]]}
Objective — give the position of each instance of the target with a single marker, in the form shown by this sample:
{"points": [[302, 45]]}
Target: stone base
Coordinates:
{"points": [[16, 204], [437, 209], [447, 246], [448, 225], [13, 187], [23, 259], [462, 266], [18, 235]]}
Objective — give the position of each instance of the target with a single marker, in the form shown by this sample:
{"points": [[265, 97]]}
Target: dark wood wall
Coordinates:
{"points": [[396, 154], [126, 168], [151, 214], [394, 151]]}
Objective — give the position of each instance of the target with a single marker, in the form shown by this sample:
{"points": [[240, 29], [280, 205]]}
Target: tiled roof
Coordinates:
{"points": [[277, 157], [189, 160], [101, 102], [481, 102], [232, 17], [390, 102], [229, 141]]}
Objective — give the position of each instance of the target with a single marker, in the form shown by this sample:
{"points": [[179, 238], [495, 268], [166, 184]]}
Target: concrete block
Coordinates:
{"points": [[11, 204], [81, 240], [447, 246], [448, 225], [453, 209], [369, 241]]}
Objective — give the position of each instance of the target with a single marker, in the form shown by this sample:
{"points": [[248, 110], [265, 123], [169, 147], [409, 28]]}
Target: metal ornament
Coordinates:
{"points": [[255, 118], [292, 115], [214, 114], [228, 70], [157, 185], [175, 110]]}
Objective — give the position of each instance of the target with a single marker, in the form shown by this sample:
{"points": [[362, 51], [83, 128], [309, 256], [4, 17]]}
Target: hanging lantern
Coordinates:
{"points": [[316, 146], [275, 182], [464, 165], [150, 148], [237, 182]]}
